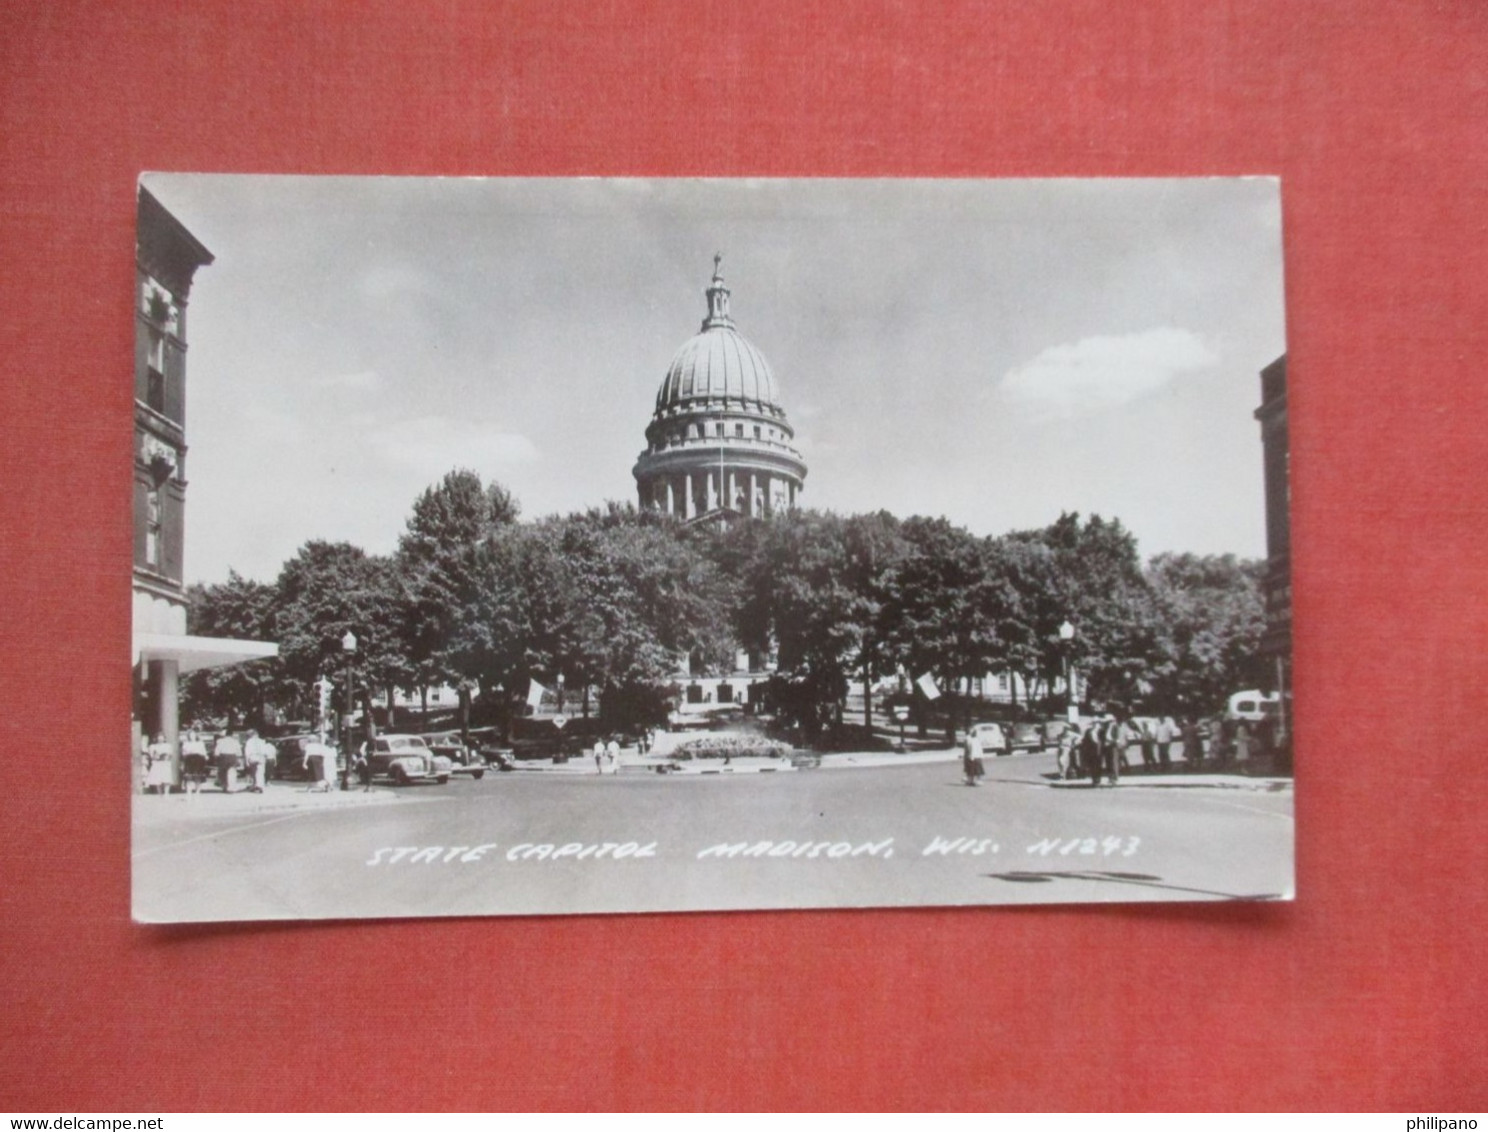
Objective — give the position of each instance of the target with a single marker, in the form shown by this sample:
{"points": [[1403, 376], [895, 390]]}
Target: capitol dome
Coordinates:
{"points": [[719, 444], [719, 364]]}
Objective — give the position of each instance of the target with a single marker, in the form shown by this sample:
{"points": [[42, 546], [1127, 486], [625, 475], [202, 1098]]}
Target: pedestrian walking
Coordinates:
{"points": [[1193, 743], [612, 755], [1222, 748], [193, 762], [159, 774], [1147, 738], [1113, 747], [256, 759], [319, 761], [1068, 751], [1167, 731], [228, 755], [599, 753], [1091, 755], [971, 757]]}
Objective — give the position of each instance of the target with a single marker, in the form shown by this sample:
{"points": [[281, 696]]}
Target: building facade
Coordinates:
{"points": [[167, 258], [719, 446], [1276, 644]]}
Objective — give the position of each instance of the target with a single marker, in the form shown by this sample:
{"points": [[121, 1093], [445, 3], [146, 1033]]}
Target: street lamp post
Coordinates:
{"points": [[348, 649], [1071, 708]]}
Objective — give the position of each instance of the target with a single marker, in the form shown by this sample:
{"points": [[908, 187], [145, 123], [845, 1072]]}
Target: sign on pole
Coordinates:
{"points": [[559, 721]]}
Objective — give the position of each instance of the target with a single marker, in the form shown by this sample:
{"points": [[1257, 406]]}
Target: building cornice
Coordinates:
{"points": [[678, 462], [160, 585], [154, 421]]}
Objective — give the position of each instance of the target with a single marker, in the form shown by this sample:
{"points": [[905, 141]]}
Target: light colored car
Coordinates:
{"points": [[1253, 706], [406, 759], [992, 737]]}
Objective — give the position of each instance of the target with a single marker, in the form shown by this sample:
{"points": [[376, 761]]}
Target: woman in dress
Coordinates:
{"points": [[158, 770]]}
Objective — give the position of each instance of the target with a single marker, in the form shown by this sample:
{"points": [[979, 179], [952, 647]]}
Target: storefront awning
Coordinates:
{"points": [[191, 653]]}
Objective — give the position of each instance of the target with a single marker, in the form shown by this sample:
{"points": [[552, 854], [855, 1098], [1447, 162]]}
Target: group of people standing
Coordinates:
{"points": [[1103, 747], [607, 756], [230, 758]]}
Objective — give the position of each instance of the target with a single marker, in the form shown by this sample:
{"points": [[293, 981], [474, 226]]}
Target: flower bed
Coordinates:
{"points": [[732, 746]]}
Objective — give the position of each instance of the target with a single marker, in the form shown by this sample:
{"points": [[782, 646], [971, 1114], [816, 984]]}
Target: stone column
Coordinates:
{"points": [[690, 499], [765, 501], [671, 498], [164, 676]]}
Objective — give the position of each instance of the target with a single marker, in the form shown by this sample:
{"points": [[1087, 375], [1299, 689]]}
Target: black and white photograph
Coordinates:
{"points": [[529, 546]]}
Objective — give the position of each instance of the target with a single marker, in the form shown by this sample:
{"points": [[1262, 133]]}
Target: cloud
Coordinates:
{"points": [[1104, 371], [433, 445]]}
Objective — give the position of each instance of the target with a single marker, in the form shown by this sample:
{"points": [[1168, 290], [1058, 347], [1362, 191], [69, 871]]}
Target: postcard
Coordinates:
{"points": [[545, 546]]}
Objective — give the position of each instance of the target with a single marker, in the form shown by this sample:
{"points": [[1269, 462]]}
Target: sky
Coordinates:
{"points": [[994, 351]]}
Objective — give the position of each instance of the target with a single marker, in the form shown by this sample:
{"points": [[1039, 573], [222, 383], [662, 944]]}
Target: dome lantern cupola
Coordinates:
{"points": [[718, 298]]}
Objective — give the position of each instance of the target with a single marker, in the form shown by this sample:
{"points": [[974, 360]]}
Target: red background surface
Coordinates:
{"points": [[1368, 992]]}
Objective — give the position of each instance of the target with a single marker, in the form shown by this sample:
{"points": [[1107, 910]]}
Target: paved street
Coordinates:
{"points": [[846, 835]]}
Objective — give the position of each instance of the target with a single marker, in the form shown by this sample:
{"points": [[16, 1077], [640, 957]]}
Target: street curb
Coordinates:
{"points": [[1257, 785]]}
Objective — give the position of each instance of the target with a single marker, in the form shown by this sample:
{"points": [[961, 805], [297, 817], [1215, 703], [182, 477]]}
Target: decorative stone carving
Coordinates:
{"points": [[159, 457]]}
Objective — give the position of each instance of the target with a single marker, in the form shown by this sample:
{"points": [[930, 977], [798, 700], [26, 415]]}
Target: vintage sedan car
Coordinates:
{"points": [[463, 759], [993, 738], [406, 759], [1028, 737], [290, 755]]}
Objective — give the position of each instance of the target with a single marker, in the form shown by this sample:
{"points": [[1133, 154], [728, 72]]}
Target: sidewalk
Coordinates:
{"points": [[278, 797]]}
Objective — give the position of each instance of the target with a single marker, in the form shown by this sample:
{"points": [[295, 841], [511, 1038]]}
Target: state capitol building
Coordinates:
{"points": [[719, 446]]}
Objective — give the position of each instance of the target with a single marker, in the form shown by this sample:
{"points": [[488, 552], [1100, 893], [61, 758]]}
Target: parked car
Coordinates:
{"points": [[463, 759], [1028, 737], [993, 738], [406, 759], [290, 762], [502, 758], [1253, 706]]}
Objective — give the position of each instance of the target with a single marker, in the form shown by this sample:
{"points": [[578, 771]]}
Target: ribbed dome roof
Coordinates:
{"points": [[718, 363]]}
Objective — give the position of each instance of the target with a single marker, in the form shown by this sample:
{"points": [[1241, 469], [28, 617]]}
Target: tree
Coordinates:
{"points": [[640, 598], [436, 563], [612, 599], [241, 610], [326, 590], [950, 605], [1210, 616], [1028, 629], [816, 586], [1097, 583]]}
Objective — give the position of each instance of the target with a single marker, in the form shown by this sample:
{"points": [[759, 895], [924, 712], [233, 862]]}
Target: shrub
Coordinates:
{"points": [[733, 746]]}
